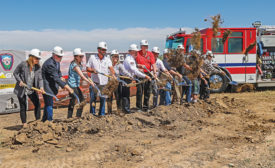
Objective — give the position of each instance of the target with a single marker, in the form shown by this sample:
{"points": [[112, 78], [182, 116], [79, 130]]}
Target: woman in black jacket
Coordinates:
{"points": [[28, 73]]}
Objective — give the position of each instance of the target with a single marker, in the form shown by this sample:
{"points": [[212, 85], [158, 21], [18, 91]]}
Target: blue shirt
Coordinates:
{"points": [[166, 64], [74, 78]]}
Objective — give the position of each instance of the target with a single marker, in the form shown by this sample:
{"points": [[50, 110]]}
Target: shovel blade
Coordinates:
{"points": [[233, 83], [77, 98], [52, 96]]}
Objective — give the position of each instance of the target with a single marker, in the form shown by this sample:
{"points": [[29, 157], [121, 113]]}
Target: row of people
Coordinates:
{"points": [[140, 65]]}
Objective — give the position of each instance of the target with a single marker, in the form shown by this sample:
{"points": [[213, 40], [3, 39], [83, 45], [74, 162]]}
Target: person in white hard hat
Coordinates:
{"points": [[207, 69], [186, 90], [52, 79], [167, 94], [29, 73], [160, 68], [119, 71], [99, 63], [74, 76], [145, 60], [131, 66]]}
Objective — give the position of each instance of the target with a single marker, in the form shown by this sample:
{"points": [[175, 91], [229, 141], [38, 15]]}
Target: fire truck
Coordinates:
{"points": [[257, 67]]}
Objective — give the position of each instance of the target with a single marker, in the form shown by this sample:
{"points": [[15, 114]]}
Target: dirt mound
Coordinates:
{"points": [[59, 133], [206, 134]]}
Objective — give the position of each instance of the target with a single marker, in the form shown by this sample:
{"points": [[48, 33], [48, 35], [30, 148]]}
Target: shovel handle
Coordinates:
{"points": [[105, 74], [126, 77], [33, 88]]}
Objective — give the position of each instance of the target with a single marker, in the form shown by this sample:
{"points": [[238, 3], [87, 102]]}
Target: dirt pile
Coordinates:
{"points": [[225, 131], [61, 131]]}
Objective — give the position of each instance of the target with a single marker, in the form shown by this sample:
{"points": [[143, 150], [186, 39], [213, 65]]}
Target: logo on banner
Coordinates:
{"points": [[6, 61]]}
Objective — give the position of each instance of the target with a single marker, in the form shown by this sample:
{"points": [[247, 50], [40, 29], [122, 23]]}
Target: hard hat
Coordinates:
{"points": [[144, 43], [36, 53], [165, 51], [78, 51], [114, 52], [180, 46], [209, 53], [102, 45], [58, 51], [133, 47], [155, 50]]}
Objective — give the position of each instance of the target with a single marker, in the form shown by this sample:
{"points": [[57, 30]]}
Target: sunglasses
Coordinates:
{"points": [[103, 49], [81, 56]]}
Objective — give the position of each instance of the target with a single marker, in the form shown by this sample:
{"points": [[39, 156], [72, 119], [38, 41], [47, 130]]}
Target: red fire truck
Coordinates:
{"points": [[257, 67]]}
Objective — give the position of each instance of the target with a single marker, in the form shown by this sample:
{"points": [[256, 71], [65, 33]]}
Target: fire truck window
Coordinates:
{"points": [[235, 45], [218, 48], [177, 42], [188, 47], [169, 43], [236, 34]]}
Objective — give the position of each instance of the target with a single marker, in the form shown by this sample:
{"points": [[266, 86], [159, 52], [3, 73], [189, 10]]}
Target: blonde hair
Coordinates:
{"points": [[30, 62]]}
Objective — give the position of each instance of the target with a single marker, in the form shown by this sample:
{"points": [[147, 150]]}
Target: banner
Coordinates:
{"points": [[9, 59]]}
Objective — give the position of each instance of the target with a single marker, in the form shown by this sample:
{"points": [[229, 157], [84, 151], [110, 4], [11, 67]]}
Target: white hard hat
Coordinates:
{"points": [[102, 45], [165, 51], [180, 46], [133, 47], [114, 52], [36, 53], [58, 51], [208, 52], [155, 50], [78, 51], [144, 43]]}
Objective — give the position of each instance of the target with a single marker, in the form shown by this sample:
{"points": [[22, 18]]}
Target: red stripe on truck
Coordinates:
{"points": [[242, 70]]}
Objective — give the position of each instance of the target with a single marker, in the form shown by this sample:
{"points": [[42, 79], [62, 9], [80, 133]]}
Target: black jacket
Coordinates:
{"points": [[21, 74], [51, 75]]}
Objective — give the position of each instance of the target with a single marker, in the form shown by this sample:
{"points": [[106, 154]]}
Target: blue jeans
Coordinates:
{"points": [[186, 90], [48, 108], [93, 97], [165, 96]]}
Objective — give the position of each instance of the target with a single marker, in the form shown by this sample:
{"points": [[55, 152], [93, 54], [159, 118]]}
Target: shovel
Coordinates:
{"points": [[134, 84], [77, 98], [36, 89], [151, 73], [230, 81], [126, 77], [98, 91], [122, 81]]}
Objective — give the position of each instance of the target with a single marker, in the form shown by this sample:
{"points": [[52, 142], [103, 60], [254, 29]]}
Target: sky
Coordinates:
{"points": [[27, 24]]}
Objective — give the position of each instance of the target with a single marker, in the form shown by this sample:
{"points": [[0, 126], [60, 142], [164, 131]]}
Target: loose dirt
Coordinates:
{"points": [[229, 130]]}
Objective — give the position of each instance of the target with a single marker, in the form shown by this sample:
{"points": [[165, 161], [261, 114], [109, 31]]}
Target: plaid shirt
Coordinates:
{"points": [[209, 68]]}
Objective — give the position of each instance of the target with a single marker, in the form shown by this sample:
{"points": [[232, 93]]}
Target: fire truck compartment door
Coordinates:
{"points": [[268, 40]]}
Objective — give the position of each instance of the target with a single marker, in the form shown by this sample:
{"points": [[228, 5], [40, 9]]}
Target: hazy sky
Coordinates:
{"points": [[27, 24]]}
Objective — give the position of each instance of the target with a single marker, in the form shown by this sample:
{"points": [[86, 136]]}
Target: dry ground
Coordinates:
{"points": [[231, 130]]}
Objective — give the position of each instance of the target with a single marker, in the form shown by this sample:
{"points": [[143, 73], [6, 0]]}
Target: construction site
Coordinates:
{"points": [[230, 130], [204, 100]]}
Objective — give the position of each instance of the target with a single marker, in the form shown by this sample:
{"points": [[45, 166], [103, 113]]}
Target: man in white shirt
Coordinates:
{"points": [[159, 68], [130, 66], [99, 63]]}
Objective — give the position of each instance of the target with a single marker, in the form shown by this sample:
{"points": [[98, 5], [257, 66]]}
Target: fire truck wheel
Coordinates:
{"points": [[218, 83]]}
